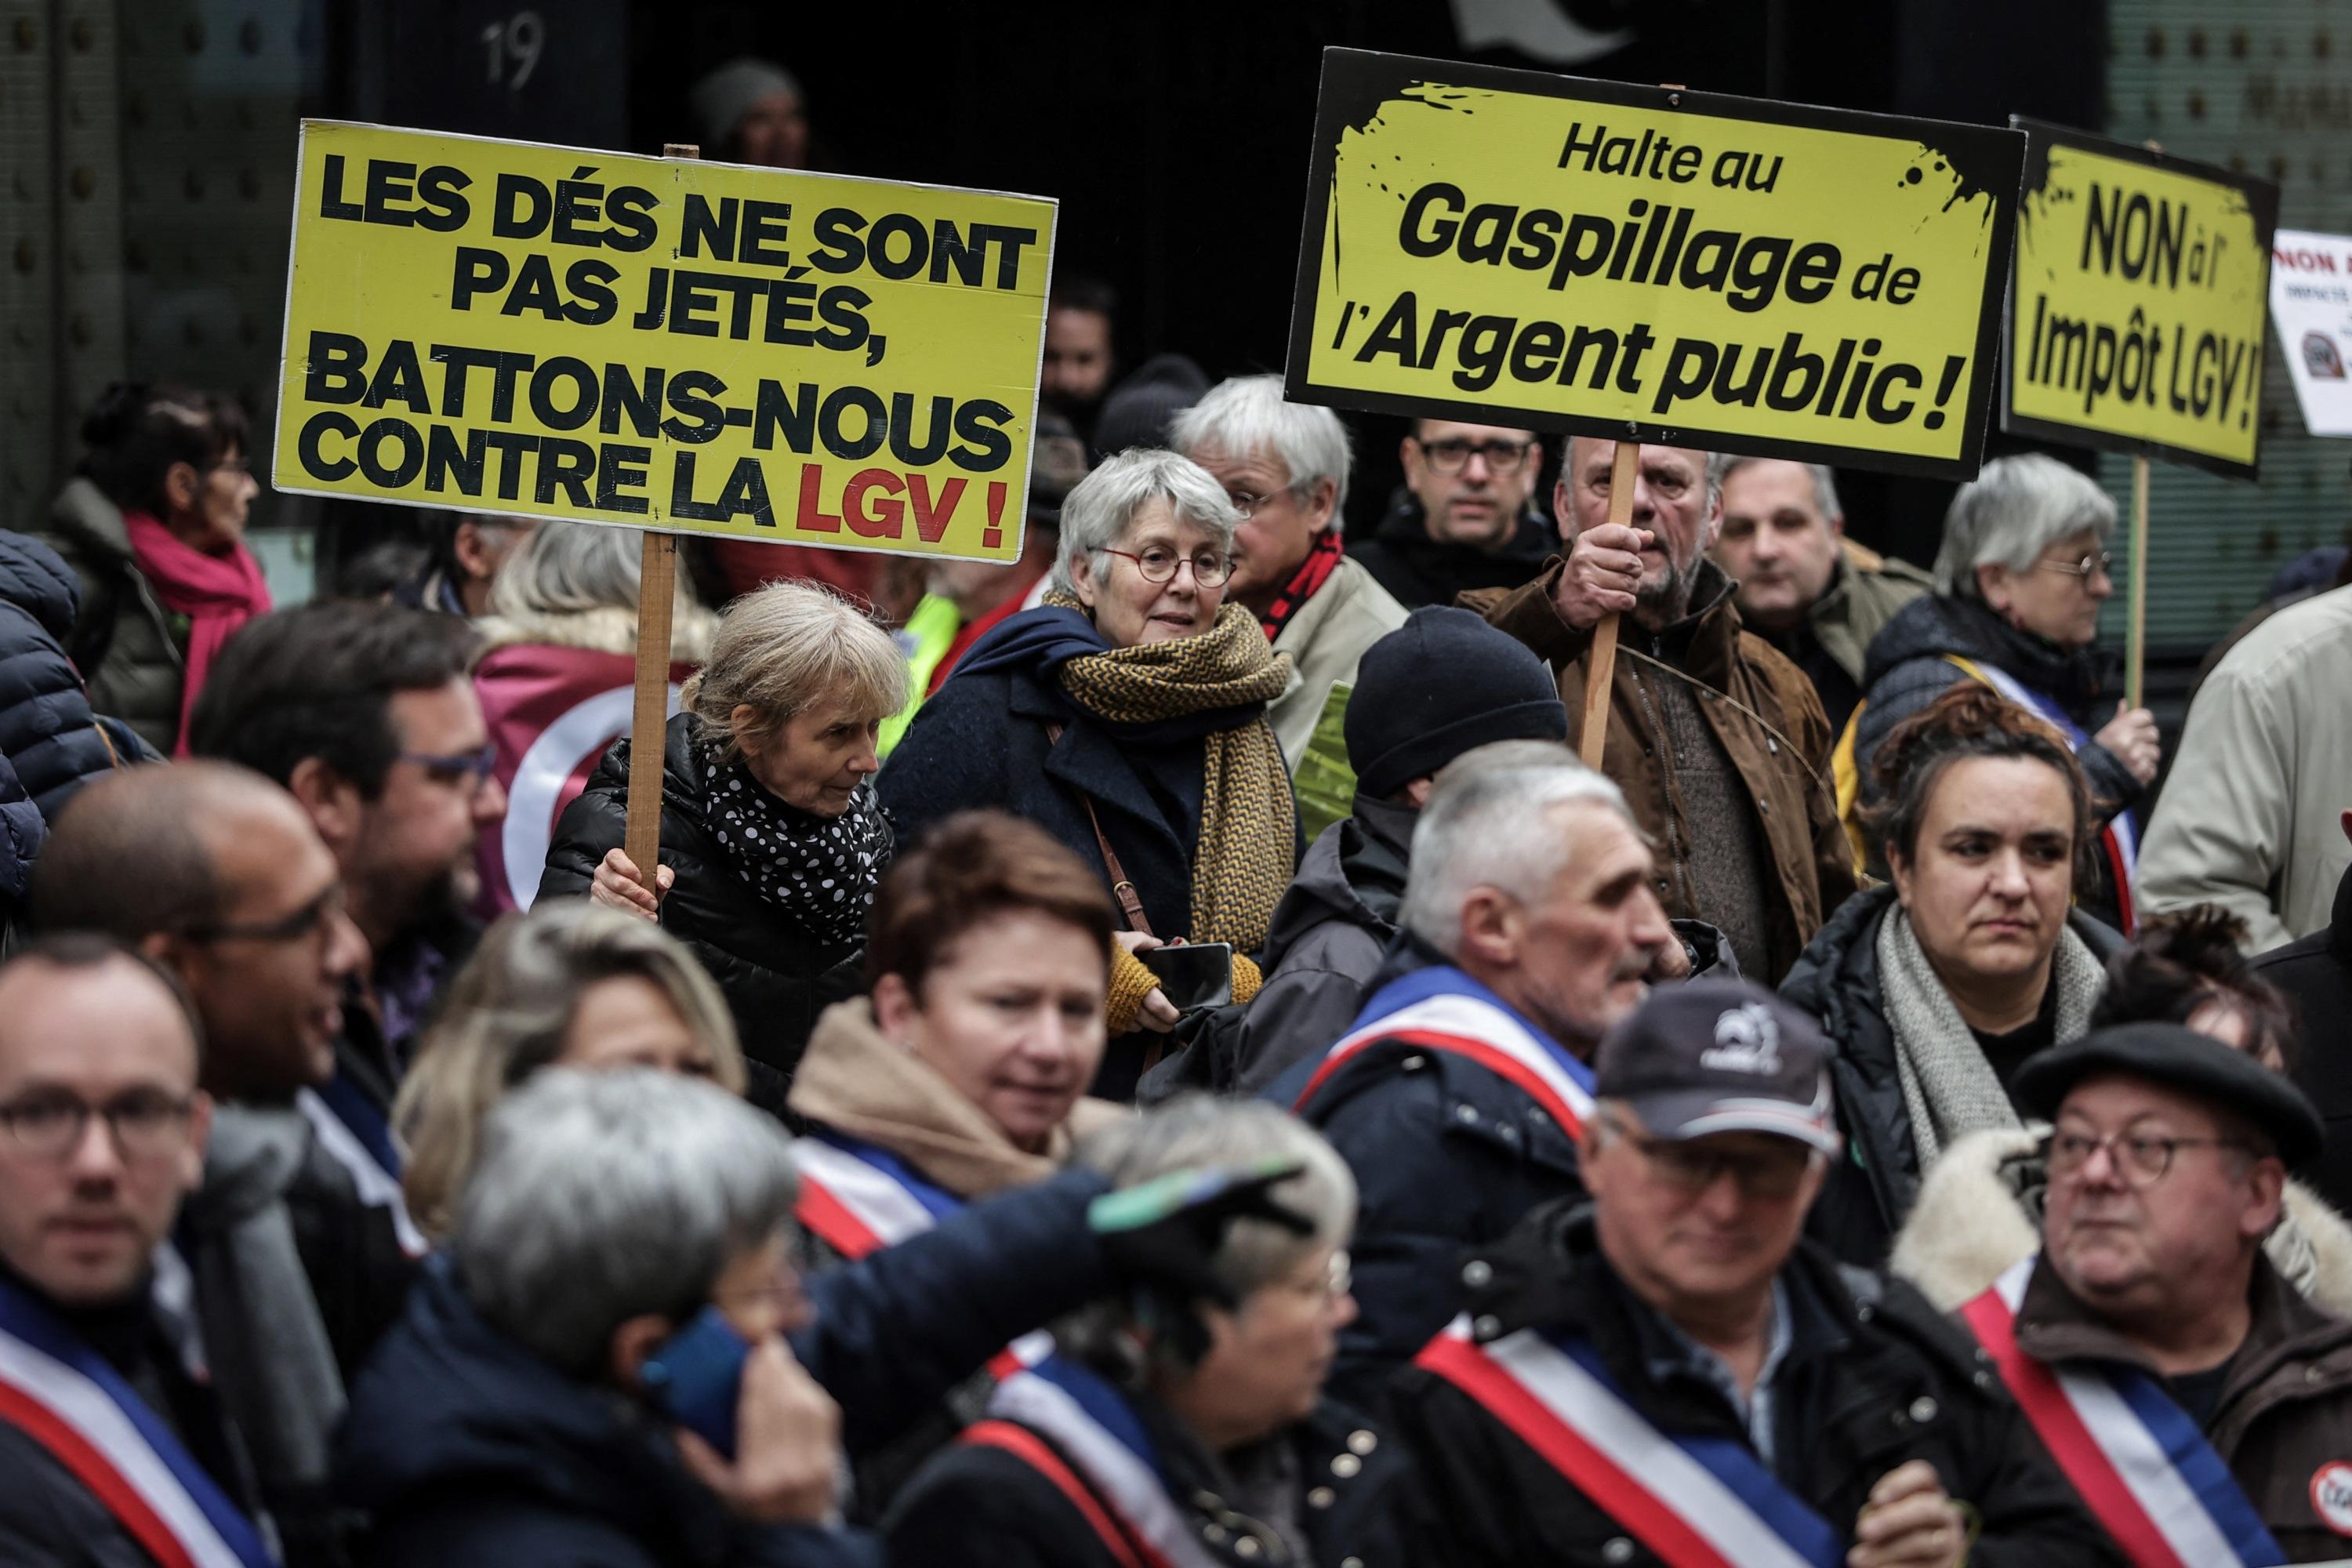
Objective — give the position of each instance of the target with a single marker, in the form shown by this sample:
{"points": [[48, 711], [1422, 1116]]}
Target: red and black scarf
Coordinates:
{"points": [[1322, 559]]}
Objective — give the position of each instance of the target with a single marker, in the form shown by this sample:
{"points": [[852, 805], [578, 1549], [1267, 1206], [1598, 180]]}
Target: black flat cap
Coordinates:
{"points": [[2177, 1058]]}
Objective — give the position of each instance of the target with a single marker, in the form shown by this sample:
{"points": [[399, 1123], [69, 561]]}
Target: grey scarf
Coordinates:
{"points": [[275, 1365], [1948, 1085]]}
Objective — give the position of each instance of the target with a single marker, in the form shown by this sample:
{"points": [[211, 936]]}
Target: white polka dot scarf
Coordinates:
{"points": [[820, 871]]}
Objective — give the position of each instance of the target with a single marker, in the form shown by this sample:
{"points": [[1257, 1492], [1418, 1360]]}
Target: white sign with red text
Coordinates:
{"points": [[2311, 307]]}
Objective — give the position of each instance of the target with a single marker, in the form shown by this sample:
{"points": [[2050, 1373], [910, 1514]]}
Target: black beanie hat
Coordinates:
{"points": [[1438, 686]]}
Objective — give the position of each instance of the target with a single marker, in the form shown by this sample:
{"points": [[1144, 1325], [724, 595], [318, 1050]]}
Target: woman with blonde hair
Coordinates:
{"points": [[568, 985], [772, 839]]}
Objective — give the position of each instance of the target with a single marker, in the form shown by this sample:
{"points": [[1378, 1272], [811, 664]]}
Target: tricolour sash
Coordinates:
{"points": [[1696, 1502], [2120, 839], [1443, 1009], [65, 1397], [354, 1134], [1085, 1419], [2135, 1456], [860, 1199]]}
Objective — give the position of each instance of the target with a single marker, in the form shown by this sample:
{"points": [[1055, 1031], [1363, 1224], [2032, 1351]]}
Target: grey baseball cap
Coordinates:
{"points": [[1720, 1056]]}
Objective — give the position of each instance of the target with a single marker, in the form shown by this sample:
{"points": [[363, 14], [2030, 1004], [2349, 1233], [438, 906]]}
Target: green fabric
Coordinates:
{"points": [[931, 631], [1325, 783]]}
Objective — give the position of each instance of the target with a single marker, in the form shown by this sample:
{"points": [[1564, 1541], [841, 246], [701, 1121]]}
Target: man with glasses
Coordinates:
{"points": [[365, 714], [1285, 467], [2199, 1403], [113, 1448], [298, 1244], [1463, 519], [1669, 1375]]}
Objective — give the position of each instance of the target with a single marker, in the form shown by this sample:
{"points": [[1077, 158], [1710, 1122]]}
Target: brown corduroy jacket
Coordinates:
{"points": [[1761, 708], [2286, 1416]]}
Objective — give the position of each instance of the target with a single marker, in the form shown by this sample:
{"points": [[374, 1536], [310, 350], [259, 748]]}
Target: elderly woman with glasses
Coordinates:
{"points": [[2019, 584], [1127, 716], [1185, 1432]]}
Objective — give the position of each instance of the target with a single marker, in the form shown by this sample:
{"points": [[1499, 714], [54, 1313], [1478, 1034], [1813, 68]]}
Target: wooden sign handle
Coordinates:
{"points": [[657, 591], [1601, 668], [2135, 626]]}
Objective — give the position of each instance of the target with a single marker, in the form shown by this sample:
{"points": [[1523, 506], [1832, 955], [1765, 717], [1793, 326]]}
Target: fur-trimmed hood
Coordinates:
{"points": [[606, 630], [1980, 1210]]}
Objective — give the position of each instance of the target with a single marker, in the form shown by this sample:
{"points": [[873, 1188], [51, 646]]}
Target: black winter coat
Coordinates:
{"points": [[2316, 972], [1446, 1155], [979, 1504], [472, 1453], [1417, 570], [1879, 1378], [776, 975], [1870, 1191], [46, 729]]}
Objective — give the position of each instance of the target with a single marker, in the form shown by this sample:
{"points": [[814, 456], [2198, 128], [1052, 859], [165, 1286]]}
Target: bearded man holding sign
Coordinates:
{"points": [[1666, 1375]]}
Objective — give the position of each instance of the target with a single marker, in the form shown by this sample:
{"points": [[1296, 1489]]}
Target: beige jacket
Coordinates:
{"points": [[1977, 1213], [1324, 639], [2251, 815], [854, 1082]]}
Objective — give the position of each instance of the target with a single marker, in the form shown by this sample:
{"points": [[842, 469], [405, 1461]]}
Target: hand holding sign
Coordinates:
{"points": [[1604, 574]]}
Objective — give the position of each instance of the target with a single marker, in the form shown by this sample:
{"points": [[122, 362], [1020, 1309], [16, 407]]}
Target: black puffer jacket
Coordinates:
{"points": [[1875, 1377], [1862, 1204], [777, 976], [46, 729]]}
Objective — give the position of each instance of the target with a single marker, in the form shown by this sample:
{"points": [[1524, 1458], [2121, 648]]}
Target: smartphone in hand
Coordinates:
{"points": [[1192, 974], [694, 1376]]}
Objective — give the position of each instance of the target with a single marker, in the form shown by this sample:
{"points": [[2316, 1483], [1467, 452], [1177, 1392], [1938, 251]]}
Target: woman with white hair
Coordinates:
{"points": [[772, 839], [2019, 583], [1183, 1431], [1127, 716], [556, 676]]}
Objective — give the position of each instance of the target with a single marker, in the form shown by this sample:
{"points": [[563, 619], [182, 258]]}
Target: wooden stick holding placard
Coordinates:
{"points": [[2135, 627], [656, 594], [1600, 669]]}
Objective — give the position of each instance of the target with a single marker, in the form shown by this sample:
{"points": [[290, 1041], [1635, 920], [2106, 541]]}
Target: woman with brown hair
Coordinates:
{"points": [[964, 1074], [1933, 990]]}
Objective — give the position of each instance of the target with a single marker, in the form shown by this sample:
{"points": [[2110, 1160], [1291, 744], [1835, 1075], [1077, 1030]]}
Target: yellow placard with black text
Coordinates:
{"points": [[2142, 294], [701, 348], [1517, 249]]}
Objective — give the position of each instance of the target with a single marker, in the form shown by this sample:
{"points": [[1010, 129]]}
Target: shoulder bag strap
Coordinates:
{"points": [[1129, 904]]}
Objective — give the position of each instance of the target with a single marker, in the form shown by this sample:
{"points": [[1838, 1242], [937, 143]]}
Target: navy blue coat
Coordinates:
{"points": [[982, 740], [1447, 1157], [471, 1452], [46, 730]]}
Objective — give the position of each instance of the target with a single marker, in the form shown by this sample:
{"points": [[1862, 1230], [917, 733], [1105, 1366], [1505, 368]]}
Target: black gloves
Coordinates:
{"points": [[1161, 1239]]}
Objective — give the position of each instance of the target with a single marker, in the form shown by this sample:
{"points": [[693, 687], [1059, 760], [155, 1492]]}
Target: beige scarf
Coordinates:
{"points": [[1247, 844], [854, 1082]]}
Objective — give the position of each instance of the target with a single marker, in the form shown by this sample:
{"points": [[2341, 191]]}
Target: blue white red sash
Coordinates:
{"points": [[63, 1397], [354, 1134], [2135, 1456], [860, 1199], [1086, 1420], [2120, 837], [1443, 1009], [1696, 1502]]}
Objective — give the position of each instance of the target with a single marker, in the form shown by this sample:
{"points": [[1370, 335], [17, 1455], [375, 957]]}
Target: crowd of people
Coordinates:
{"points": [[1863, 1121]]}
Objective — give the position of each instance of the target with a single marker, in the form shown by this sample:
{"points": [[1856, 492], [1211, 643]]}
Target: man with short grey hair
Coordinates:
{"points": [[1804, 586], [1284, 466], [1717, 740], [549, 1395], [1457, 1097]]}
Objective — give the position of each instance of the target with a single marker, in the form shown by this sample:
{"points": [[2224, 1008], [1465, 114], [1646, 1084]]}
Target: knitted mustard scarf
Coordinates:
{"points": [[1245, 858]]}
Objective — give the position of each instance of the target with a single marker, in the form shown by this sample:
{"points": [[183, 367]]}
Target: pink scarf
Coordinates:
{"points": [[218, 593]]}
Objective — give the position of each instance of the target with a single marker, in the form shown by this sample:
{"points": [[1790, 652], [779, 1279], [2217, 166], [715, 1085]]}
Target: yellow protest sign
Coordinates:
{"points": [[698, 348], [2143, 288], [1519, 248]]}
